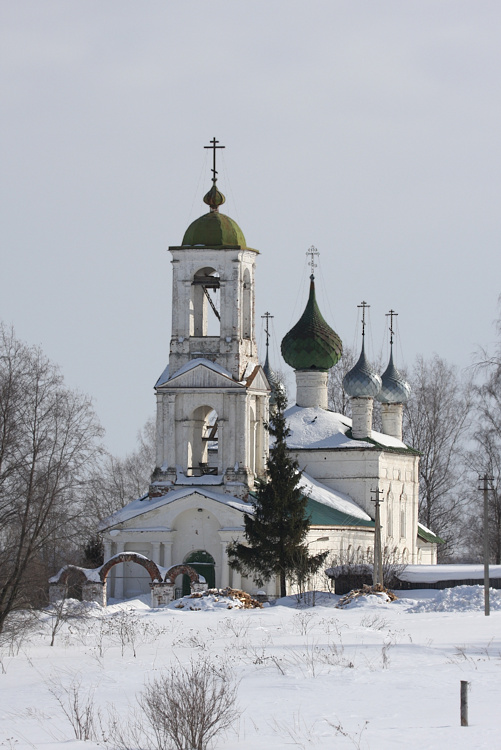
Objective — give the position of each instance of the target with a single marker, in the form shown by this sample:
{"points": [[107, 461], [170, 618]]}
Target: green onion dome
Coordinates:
{"points": [[395, 389], [362, 381], [214, 229], [311, 344]]}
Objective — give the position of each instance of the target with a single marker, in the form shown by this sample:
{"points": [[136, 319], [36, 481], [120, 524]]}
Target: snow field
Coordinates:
{"points": [[374, 675]]}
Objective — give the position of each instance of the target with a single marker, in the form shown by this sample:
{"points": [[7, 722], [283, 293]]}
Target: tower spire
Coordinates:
{"points": [[267, 316]]}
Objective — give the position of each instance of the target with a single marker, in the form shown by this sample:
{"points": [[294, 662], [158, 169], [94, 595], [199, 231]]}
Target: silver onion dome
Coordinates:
{"points": [[395, 389], [362, 381]]}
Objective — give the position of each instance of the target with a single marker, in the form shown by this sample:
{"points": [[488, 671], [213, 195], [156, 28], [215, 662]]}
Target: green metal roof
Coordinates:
{"points": [[428, 535], [214, 230], [323, 515], [311, 344]]}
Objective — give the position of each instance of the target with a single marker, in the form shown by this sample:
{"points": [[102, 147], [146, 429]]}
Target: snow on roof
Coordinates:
{"points": [[206, 363], [139, 507], [332, 498], [313, 427], [434, 573], [181, 478]]}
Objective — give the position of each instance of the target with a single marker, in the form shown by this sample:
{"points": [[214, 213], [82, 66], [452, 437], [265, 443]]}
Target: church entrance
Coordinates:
{"points": [[204, 564]]}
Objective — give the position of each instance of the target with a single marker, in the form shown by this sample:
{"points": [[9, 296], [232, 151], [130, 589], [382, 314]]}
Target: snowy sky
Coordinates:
{"points": [[369, 129]]}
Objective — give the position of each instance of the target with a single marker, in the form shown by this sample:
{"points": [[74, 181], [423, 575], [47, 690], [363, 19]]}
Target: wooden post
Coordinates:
{"points": [[464, 703]]}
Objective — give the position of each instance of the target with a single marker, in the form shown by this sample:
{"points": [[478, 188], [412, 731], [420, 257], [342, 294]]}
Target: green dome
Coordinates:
{"points": [[214, 230], [311, 344]]}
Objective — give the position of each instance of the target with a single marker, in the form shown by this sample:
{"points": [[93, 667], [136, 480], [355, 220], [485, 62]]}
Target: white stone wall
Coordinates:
{"points": [[358, 472]]}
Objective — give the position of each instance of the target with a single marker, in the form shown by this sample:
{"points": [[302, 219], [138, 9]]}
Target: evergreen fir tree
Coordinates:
{"points": [[276, 533]]}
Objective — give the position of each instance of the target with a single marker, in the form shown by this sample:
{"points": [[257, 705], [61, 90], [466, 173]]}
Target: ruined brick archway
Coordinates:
{"points": [[123, 557], [77, 574], [177, 570]]}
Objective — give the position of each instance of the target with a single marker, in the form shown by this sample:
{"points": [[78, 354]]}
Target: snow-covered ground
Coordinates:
{"points": [[373, 675]]}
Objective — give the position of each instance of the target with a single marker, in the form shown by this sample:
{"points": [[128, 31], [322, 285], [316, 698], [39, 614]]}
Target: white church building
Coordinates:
{"points": [[211, 438]]}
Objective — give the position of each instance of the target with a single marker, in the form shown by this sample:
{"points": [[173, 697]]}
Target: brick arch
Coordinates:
{"points": [[146, 563], [177, 570], [64, 574]]}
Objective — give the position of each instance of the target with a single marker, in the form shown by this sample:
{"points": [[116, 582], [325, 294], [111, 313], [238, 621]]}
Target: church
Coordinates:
{"points": [[213, 401]]}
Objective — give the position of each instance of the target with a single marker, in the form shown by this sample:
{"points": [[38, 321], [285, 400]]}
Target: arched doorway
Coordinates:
{"points": [[204, 564]]}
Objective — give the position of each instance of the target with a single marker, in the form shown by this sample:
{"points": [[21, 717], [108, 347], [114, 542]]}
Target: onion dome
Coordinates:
{"points": [[311, 344], [362, 381], [214, 230], [395, 389]]}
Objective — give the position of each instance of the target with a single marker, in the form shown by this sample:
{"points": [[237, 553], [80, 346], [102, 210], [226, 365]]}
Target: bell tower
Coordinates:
{"points": [[212, 401]]}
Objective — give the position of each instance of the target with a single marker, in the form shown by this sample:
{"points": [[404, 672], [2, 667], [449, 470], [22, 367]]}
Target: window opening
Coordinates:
{"points": [[203, 447], [205, 315]]}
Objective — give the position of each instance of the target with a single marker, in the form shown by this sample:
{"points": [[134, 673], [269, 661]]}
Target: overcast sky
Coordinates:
{"points": [[368, 129]]}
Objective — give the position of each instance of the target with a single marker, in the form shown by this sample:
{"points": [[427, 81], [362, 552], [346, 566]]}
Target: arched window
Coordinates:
{"points": [[246, 305], [205, 313], [203, 454], [403, 528]]}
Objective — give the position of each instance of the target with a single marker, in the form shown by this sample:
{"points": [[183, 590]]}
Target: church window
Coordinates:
{"points": [[205, 313], [246, 305], [403, 530]]}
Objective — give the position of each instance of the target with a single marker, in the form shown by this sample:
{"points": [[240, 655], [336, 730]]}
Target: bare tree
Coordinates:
{"points": [[437, 419], [183, 709], [339, 401], [486, 458], [48, 439], [116, 481]]}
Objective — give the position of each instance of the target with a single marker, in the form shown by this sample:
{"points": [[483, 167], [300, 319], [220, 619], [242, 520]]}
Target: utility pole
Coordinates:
{"points": [[485, 488], [377, 576]]}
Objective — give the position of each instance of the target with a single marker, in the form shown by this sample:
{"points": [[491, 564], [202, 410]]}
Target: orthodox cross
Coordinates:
{"points": [[364, 307], [392, 314], [268, 317], [313, 253], [214, 146]]}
